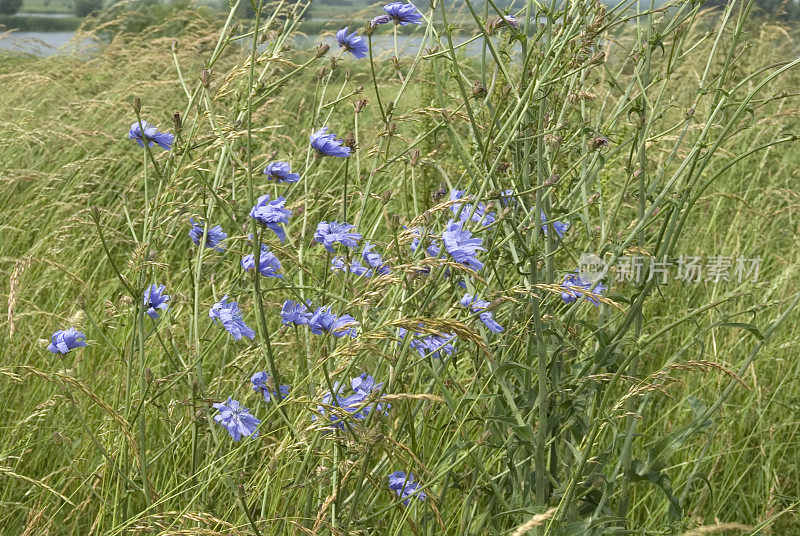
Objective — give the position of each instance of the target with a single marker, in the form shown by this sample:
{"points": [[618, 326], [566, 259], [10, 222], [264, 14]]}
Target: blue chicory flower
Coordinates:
{"points": [[403, 13], [262, 384], [281, 172], [230, 316], [328, 144], [374, 259], [63, 341], [479, 306], [352, 43], [339, 265], [154, 298], [405, 487], [559, 226], [480, 215], [214, 236], [510, 21], [272, 214], [357, 404], [461, 245], [268, 263], [324, 321], [236, 419], [380, 19], [151, 135], [328, 234], [508, 198], [569, 295], [432, 345], [432, 249], [295, 313]]}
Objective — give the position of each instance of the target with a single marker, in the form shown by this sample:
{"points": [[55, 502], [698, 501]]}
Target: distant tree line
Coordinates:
{"points": [[80, 8], [771, 9], [774, 9]]}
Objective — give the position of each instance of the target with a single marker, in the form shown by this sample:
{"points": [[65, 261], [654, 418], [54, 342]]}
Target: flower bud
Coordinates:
{"points": [[413, 157], [598, 142], [205, 78], [478, 90], [322, 50]]}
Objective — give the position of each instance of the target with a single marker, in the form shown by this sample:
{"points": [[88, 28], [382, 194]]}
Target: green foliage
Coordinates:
{"points": [[82, 8], [32, 23], [9, 7]]}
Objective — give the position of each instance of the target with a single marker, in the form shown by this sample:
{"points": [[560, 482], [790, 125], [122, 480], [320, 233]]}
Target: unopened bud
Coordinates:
{"points": [[360, 105], [205, 78], [553, 140], [350, 139], [478, 90], [137, 104], [413, 157], [597, 58], [322, 50], [553, 180], [598, 142]]}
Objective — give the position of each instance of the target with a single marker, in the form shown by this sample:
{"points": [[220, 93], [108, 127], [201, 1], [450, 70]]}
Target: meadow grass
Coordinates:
{"points": [[668, 408]]}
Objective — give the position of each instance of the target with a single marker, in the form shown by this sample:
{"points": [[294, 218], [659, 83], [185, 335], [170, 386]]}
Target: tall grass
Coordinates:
{"points": [[657, 133]]}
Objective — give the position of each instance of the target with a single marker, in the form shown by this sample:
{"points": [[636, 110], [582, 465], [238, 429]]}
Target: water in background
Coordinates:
{"points": [[36, 43], [44, 44]]}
